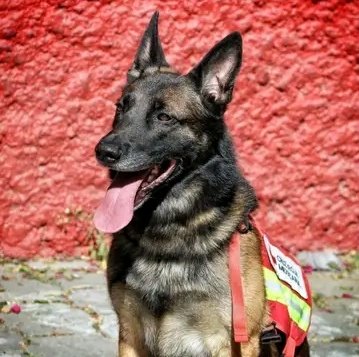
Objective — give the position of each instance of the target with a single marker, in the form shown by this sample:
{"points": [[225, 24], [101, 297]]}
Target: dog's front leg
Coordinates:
{"points": [[130, 312], [126, 350], [130, 343], [250, 348]]}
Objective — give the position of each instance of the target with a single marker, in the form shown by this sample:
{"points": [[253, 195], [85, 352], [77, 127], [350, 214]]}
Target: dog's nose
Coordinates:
{"points": [[107, 153]]}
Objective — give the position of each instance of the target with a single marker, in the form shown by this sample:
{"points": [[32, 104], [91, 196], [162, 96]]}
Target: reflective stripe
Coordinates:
{"points": [[298, 309]]}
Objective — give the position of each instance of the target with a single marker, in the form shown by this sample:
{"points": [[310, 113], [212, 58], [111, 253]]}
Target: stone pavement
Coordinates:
{"points": [[65, 311]]}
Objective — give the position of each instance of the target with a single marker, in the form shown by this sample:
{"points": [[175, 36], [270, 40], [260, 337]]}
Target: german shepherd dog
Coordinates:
{"points": [[175, 200]]}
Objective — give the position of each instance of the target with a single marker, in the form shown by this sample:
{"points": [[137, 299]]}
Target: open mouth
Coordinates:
{"points": [[154, 177], [127, 192]]}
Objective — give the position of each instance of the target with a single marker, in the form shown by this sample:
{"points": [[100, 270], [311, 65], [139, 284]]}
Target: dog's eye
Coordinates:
{"points": [[119, 107], [124, 104], [164, 117]]}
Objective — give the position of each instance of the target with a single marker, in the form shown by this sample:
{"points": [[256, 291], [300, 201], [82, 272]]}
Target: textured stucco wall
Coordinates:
{"points": [[294, 116]]}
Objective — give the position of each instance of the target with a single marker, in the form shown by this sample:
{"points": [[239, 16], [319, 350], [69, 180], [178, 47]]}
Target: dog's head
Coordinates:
{"points": [[165, 123]]}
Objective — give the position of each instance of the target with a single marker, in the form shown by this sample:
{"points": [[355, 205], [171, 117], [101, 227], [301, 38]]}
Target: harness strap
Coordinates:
{"points": [[290, 344], [238, 310], [289, 349]]}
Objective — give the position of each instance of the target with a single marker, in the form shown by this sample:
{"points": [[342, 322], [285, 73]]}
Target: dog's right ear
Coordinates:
{"points": [[150, 52]]}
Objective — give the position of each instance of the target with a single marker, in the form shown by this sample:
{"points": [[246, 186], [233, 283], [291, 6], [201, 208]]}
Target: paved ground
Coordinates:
{"points": [[65, 311]]}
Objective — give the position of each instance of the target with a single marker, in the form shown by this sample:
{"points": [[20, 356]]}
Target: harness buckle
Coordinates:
{"points": [[270, 334]]}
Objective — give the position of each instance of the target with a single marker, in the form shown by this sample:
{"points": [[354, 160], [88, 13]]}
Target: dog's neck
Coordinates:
{"points": [[209, 201]]}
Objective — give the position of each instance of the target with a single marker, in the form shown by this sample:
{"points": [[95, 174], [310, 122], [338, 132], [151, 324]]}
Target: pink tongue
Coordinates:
{"points": [[116, 209]]}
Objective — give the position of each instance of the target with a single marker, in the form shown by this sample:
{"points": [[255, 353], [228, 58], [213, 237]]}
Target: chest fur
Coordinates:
{"points": [[159, 281]]}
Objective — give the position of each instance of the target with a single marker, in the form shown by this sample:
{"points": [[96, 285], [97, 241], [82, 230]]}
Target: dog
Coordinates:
{"points": [[176, 198]]}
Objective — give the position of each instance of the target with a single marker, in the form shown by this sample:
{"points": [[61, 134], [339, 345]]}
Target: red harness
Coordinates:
{"points": [[279, 310]]}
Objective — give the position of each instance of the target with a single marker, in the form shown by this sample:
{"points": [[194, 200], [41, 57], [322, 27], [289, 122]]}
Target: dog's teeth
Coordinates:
{"points": [[142, 187], [151, 177], [155, 170]]}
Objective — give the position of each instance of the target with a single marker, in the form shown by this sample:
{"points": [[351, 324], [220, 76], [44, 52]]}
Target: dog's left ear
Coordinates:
{"points": [[216, 73], [150, 52]]}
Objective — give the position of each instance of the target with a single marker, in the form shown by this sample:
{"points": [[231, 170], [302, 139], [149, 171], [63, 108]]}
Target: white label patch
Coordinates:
{"points": [[286, 269]]}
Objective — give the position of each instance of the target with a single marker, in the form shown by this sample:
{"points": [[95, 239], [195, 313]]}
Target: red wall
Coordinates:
{"points": [[294, 116]]}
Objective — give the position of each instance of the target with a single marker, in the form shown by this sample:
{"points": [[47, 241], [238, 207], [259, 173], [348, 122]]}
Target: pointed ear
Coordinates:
{"points": [[216, 73], [150, 52]]}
